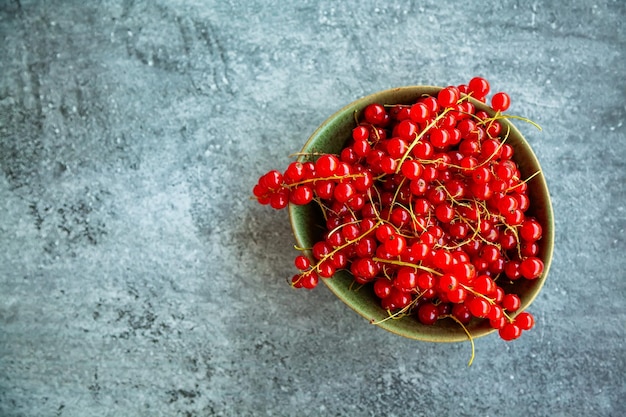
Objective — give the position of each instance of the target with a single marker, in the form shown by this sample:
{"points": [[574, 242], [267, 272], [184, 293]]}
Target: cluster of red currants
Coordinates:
{"points": [[426, 204]]}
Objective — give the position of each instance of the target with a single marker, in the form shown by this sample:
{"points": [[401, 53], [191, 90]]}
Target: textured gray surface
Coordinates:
{"points": [[137, 278]]}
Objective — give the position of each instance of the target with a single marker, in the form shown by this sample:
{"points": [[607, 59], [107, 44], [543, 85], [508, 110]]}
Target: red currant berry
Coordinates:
{"points": [[365, 247], [511, 302], [457, 295], [425, 281], [522, 201], [388, 164], [483, 284], [512, 269], [508, 239], [428, 314], [500, 101], [494, 128], [406, 279], [481, 175], [360, 133], [397, 147], [531, 268], [412, 169], [529, 249], [279, 200], [309, 280], [400, 216], [407, 130], [399, 299], [326, 269], [294, 172], [431, 104], [423, 150], [448, 282], [495, 313], [444, 212], [442, 259], [479, 307], [321, 249], [514, 217], [458, 229], [524, 320], [395, 246], [506, 152], [498, 323], [382, 288], [478, 87], [326, 165], [462, 313], [375, 114], [344, 191], [301, 195], [339, 259], [361, 147], [447, 97], [439, 137], [419, 112], [367, 267], [272, 180], [509, 332], [507, 204], [530, 230], [302, 262]]}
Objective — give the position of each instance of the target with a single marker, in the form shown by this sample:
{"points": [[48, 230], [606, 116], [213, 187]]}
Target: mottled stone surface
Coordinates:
{"points": [[137, 278]]}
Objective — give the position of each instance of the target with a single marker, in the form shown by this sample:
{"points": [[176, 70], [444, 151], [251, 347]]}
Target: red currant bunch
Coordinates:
{"points": [[426, 205]]}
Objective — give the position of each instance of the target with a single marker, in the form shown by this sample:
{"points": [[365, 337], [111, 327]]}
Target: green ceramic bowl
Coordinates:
{"points": [[306, 222]]}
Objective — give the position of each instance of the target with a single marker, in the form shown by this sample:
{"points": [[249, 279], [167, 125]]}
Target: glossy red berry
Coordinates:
{"points": [[294, 172], [407, 130], [510, 332], [511, 302], [447, 97], [462, 313], [302, 262], [500, 101], [382, 288], [360, 133], [531, 268], [308, 280], [428, 313], [326, 165], [375, 114], [406, 279], [478, 87], [343, 192], [301, 195], [419, 112], [479, 307], [530, 230], [524, 320]]}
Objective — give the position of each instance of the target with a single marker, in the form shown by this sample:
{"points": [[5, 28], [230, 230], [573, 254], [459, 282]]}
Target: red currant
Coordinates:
{"points": [[500, 101], [478, 87], [428, 313]]}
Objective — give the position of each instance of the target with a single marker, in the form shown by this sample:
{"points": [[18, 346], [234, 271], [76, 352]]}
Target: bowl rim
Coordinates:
{"points": [[384, 96]]}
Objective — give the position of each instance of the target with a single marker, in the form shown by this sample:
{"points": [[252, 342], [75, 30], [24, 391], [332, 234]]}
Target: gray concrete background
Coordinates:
{"points": [[137, 278]]}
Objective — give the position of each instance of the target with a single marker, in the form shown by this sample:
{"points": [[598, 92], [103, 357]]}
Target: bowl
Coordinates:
{"points": [[306, 222]]}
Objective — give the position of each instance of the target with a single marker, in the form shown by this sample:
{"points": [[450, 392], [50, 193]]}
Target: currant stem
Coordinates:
{"points": [[477, 294], [400, 313], [402, 263], [419, 136]]}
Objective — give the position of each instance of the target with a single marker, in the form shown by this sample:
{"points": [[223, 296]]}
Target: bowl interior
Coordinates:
{"points": [[307, 221]]}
